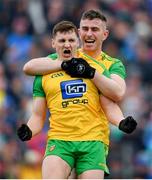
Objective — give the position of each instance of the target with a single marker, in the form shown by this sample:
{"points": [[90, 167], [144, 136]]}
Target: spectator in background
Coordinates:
{"points": [[19, 41]]}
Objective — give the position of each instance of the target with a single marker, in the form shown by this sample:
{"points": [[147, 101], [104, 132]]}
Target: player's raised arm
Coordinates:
{"points": [[41, 66], [113, 88]]}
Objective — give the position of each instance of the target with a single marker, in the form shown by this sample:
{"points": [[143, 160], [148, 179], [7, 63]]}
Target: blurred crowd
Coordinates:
{"points": [[25, 33]]}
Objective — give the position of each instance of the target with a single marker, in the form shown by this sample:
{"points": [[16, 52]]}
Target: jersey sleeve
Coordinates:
{"points": [[53, 56], [118, 68], [37, 87], [106, 73]]}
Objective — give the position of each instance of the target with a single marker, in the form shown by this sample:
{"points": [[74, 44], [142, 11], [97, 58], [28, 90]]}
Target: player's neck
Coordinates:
{"points": [[93, 54]]}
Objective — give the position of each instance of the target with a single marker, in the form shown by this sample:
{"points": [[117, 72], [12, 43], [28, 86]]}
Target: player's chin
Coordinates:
{"points": [[89, 48], [66, 58]]}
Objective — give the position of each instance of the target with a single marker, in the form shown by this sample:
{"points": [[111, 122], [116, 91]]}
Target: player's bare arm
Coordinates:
{"points": [[35, 122], [41, 66], [37, 119], [113, 88]]}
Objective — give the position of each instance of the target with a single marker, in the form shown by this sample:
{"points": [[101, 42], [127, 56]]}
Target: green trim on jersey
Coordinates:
{"points": [[117, 67], [106, 72], [37, 87], [95, 61], [53, 56]]}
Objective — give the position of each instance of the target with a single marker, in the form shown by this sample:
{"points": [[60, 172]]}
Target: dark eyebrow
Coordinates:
{"points": [[93, 27], [61, 40]]}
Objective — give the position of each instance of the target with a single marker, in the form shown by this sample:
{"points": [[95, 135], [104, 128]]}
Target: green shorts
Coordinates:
{"points": [[81, 155]]}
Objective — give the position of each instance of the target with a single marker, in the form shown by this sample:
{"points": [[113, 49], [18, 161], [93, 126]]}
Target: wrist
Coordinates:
{"points": [[64, 65], [59, 63], [92, 73], [97, 76]]}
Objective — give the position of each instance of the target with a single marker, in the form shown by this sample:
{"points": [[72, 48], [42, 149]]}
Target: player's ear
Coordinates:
{"points": [[106, 34], [79, 32], [53, 43], [78, 42]]}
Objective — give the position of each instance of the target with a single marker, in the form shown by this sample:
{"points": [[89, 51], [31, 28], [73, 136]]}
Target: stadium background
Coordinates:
{"points": [[25, 27]]}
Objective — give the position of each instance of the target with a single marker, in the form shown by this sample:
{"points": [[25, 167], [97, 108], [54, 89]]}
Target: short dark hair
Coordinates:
{"points": [[64, 26], [92, 14]]}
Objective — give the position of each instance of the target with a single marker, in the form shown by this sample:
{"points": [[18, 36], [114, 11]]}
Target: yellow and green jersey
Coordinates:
{"points": [[108, 64], [74, 105]]}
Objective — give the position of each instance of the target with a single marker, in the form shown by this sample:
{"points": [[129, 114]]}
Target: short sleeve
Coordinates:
{"points": [[37, 87], [53, 56], [118, 68]]}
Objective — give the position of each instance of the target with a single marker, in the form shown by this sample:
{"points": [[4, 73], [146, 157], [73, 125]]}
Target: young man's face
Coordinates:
{"points": [[92, 34], [65, 44]]}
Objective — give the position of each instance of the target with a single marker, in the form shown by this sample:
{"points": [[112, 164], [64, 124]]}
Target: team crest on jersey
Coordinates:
{"points": [[73, 88], [80, 68], [52, 148]]}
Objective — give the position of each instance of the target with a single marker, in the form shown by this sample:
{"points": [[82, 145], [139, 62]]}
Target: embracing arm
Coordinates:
{"points": [[41, 66], [113, 88]]}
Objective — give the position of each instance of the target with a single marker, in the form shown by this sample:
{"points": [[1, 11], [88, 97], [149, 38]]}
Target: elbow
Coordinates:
{"points": [[120, 93], [119, 96], [27, 68]]}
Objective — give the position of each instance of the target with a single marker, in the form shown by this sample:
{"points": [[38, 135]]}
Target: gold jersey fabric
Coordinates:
{"points": [[76, 114]]}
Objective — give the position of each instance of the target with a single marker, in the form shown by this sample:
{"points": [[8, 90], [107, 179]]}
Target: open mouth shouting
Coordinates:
{"points": [[67, 53]]}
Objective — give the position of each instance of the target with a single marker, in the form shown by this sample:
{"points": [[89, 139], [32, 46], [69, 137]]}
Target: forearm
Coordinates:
{"points": [[109, 87], [116, 117], [35, 124], [111, 110], [41, 66], [37, 119]]}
